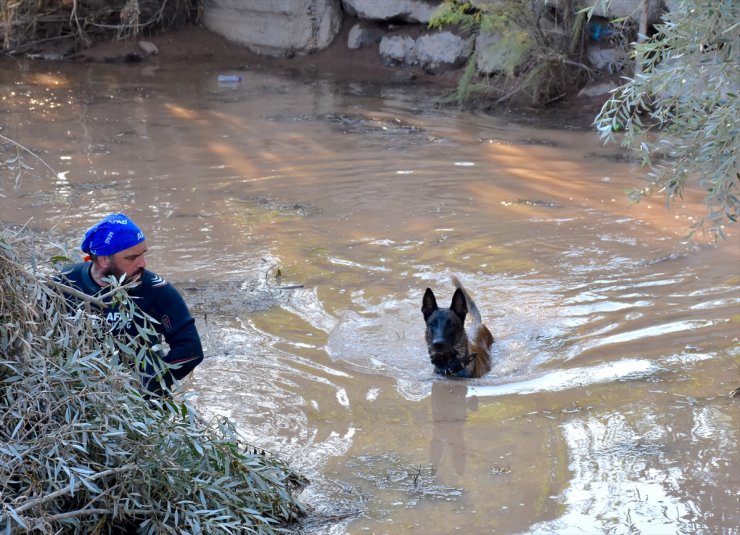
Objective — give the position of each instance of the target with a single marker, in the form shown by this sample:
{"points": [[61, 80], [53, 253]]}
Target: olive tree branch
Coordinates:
{"points": [[67, 490]]}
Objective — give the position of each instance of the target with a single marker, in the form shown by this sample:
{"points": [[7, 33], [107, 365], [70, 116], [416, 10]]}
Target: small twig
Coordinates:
{"points": [[278, 275], [416, 475], [118, 26], [576, 64], [77, 293], [34, 43], [79, 512], [82, 512], [81, 31], [641, 35], [29, 151]]}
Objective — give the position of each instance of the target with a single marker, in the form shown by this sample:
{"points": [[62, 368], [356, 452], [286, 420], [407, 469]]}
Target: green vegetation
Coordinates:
{"points": [[681, 112], [534, 49], [82, 451]]}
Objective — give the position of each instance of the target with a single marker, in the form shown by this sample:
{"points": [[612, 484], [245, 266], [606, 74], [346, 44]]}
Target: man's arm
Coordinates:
{"points": [[177, 326], [185, 350]]}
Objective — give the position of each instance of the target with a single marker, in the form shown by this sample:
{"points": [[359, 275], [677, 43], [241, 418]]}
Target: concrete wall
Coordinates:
{"points": [[275, 27]]}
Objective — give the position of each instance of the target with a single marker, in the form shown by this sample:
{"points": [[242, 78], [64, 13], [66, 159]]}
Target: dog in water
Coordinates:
{"points": [[453, 351]]}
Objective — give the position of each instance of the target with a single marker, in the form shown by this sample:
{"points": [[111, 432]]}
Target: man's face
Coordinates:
{"points": [[130, 262]]}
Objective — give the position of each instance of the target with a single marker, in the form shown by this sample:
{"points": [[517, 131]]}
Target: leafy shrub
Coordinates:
{"points": [[82, 451], [539, 48], [681, 112]]}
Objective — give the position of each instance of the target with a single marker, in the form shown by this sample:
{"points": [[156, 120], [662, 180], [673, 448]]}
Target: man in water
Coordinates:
{"points": [[116, 247]]}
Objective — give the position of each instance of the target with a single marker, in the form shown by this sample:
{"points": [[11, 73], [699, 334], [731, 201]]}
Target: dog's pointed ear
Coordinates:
{"points": [[429, 304], [459, 306]]}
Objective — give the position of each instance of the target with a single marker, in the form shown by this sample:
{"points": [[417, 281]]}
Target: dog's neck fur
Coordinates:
{"points": [[459, 360]]}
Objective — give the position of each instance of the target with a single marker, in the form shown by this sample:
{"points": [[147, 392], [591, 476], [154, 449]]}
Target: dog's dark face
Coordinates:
{"points": [[445, 333]]}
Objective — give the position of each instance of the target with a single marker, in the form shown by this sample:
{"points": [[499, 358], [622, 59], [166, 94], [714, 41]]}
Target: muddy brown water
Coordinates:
{"points": [[607, 409]]}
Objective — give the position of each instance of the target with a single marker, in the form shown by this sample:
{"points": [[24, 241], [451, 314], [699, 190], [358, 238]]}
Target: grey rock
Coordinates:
{"points": [[149, 47], [613, 9], [402, 10], [361, 36], [441, 48], [606, 59], [631, 9], [597, 90], [275, 27], [492, 59], [399, 49]]}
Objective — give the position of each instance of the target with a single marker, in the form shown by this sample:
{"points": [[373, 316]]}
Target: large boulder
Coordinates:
{"points": [[362, 35], [434, 50], [392, 10], [599, 90], [606, 59], [441, 49], [398, 49], [612, 9], [275, 27], [631, 9], [499, 53]]}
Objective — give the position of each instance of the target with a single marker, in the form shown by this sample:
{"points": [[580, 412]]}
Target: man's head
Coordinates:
{"points": [[116, 246]]}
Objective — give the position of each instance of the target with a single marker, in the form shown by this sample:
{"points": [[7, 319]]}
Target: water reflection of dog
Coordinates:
{"points": [[450, 407]]}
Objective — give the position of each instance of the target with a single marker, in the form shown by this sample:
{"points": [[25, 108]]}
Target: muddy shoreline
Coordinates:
{"points": [[196, 44]]}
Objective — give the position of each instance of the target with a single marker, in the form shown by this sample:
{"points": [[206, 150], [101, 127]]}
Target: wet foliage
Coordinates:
{"points": [[694, 115], [83, 451]]}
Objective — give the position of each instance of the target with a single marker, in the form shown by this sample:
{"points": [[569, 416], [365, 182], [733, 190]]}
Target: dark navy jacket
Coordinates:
{"points": [[160, 300]]}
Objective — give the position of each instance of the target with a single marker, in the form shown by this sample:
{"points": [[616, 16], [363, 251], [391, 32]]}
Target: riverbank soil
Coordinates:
{"points": [[197, 44]]}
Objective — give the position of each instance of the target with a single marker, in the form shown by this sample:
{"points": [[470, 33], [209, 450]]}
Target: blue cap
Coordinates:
{"points": [[112, 234]]}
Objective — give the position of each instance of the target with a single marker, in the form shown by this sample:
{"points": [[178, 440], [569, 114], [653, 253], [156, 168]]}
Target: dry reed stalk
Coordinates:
{"points": [[27, 25]]}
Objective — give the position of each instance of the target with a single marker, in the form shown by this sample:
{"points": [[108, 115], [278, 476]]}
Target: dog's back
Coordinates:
{"points": [[480, 338]]}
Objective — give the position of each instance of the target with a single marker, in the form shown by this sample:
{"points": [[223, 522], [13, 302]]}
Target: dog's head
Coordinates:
{"points": [[445, 333]]}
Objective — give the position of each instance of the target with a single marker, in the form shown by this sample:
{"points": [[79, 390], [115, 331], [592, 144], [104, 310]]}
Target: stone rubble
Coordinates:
{"points": [[399, 30]]}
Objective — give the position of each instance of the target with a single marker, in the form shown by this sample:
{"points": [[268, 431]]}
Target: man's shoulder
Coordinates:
{"points": [[78, 276], [151, 280], [156, 292], [72, 269], [74, 273]]}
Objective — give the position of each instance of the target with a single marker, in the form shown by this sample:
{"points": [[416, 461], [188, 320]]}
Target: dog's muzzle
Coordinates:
{"points": [[440, 359], [438, 347]]}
